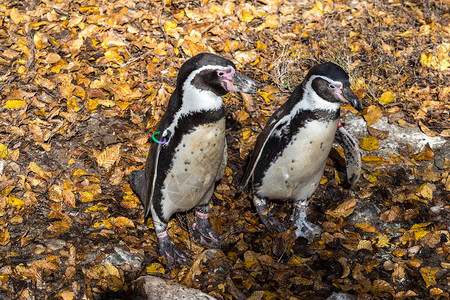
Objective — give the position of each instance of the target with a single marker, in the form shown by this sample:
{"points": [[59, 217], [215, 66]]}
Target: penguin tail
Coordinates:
{"points": [[138, 183]]}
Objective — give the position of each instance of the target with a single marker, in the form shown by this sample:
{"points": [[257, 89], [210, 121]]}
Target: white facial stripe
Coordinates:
{"points": [[311, 101], [195, 100]]}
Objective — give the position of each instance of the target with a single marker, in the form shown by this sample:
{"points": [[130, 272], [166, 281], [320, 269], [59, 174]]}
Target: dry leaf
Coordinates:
{"points": [[369, 143], [343, 210], [372, 114], [386, 98], [109, 157]]}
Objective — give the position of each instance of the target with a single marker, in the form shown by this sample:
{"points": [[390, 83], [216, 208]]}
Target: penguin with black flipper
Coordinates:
{"points": [[182, 168], [290, 154]]}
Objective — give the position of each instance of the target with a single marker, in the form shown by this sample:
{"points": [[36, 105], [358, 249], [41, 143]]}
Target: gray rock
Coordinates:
{"points": [[2, 166], [341, 296], [155, 288], [122, 256], [398, 136]]}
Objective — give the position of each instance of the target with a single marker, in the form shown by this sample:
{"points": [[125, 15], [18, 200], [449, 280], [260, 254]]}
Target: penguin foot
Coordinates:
{"points": [[173, 255], [307, 230], [203, 233], [269, 220], [304, 228]]}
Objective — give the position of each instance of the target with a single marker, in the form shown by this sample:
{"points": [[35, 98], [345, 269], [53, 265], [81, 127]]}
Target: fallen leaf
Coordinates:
{"points": [[429, 275], [343, 210], [13, 104], [386, 98], [372, 114], [369, 143]]}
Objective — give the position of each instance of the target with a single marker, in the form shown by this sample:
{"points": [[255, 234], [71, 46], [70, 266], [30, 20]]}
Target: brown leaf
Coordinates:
{"points": [[426, 154], [379, 134], [380, 288], [343, 210], [109, 157], [426, 130]]}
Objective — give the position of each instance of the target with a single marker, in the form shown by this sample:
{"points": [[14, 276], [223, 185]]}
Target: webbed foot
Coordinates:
{"points": [[304, 228], [172, 254], [203, 233], [268, 219]]}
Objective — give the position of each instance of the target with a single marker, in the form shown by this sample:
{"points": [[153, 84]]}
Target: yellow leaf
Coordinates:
{"points": [[369, 143], [111, 270], [169, 25], [364, 244], [89, 9], [55, 193], [123, 222], [372, 114], [246, 14], [86, 196], [72, 105], [4, 151], [107, 103], [425, 191], [156, 268], [318, 8], [429, 275], [13, 104], [372, 159], [78, 173], [272, 21], [297, 261], [16, 16], [61, 226], [66, 295], [438, 59], [114, 56], [38, 171], [79, 92], [123, 104], [250, 262], [387, 97], [383, 241], [5, 237], [97, 207], [242, 115]]}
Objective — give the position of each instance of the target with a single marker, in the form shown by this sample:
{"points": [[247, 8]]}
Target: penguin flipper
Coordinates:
{"points": [[138, 183], [351, 153], [261, 141]]}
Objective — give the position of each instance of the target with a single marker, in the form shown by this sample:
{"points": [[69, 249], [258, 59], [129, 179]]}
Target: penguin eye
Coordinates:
{"points": [[228, 73], [331, 86]]}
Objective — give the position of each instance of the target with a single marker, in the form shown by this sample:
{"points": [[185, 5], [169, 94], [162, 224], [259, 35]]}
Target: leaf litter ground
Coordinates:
{"points": [[84, 84]]}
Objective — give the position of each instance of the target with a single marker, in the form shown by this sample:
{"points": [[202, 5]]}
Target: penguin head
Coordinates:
{"points": [[331, 83], [210, 72]]}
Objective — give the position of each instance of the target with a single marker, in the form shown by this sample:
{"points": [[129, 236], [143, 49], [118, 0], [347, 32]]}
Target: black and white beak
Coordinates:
{"points": [[345, 94], [236, 82]]}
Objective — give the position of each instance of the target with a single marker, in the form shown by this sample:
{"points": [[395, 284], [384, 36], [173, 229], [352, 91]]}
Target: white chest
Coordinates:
{"points": [[298, 170], [196, 164]]}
